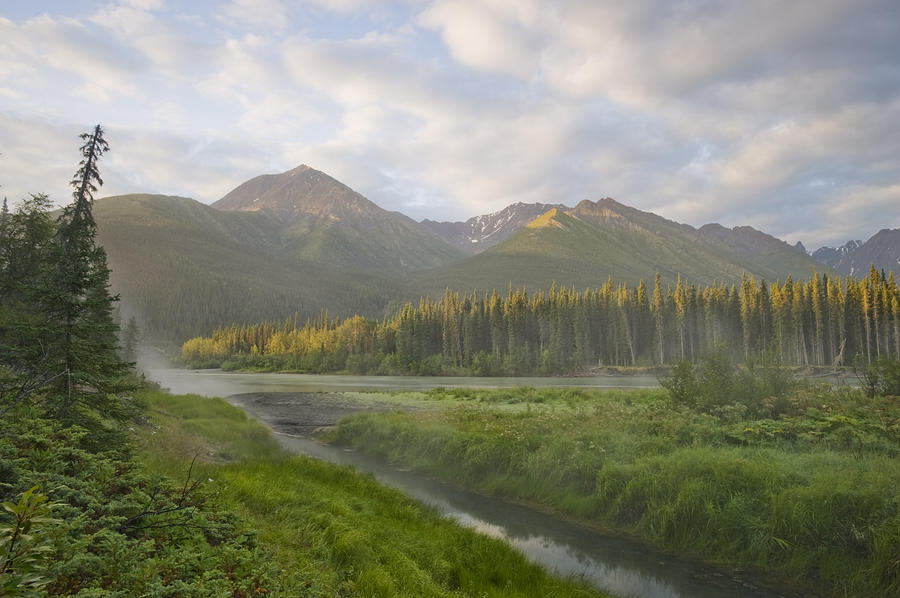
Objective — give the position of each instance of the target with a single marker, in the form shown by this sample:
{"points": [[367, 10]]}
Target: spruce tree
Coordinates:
{"points": [[80, 304], [131, 336], [26, 239]]}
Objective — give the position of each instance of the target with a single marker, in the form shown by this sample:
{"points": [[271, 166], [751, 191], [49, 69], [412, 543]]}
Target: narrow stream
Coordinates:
{"points": [[611, 563], [617, 565]]}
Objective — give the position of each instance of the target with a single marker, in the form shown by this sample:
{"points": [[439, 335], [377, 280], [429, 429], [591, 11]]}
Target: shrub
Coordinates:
{"points": [[879, 377], [715, 384]]}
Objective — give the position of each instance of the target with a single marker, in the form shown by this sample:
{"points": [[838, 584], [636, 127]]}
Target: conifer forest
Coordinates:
{"points": [[823, 321]]}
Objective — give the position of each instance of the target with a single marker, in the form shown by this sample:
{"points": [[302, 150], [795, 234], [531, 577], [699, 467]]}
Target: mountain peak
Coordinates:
{"points": [[606, 209], [323, 221], [297, 193]]}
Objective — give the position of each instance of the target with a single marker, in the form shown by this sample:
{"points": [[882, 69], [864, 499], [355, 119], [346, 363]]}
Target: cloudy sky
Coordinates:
{"points": [[784, 115]]}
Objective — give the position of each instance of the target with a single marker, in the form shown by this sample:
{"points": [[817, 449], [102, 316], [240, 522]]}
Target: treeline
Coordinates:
{"points": [[824, 321]]}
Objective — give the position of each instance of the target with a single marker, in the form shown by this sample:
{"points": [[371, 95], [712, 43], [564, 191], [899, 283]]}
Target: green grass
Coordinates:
{"points": [[331, 531], [813, 497]]}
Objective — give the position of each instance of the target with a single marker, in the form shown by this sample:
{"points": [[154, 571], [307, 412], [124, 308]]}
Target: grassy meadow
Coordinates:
{"points": [[812, 495], [331, 531]]}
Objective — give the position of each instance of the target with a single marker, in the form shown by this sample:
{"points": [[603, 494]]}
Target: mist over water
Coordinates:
{"points": [[614, 564], [217, 383]]}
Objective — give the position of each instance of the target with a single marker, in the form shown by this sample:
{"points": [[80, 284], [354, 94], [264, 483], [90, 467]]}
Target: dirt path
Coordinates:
{"points": [[301, 413]]}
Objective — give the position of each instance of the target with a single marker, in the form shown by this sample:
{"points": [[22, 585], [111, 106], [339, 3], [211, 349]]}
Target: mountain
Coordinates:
{"points": [[483, 232], [855, 257], [183, 268], [832, 255], [585, 245], [320, 220], [300, 242]]}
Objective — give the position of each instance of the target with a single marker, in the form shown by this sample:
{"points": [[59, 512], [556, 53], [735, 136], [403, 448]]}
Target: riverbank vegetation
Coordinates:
{"points": [[824, 321], [331, 531], [792, 478]]}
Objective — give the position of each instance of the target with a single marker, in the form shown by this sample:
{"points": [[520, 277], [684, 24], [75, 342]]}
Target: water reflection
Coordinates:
{"points": [[614, 564], [610, 563], [216, 383]]}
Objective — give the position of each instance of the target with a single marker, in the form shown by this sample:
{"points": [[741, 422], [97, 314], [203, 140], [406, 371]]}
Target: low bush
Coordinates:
{"points": [[120, 531]]}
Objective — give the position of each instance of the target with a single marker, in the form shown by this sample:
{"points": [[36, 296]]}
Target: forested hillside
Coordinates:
{"points": [[300, 241], [823, 321], [182, 268]]}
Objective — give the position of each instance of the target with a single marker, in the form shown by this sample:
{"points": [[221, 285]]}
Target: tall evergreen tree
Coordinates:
{"points": [[658, 305], [79, 301]]}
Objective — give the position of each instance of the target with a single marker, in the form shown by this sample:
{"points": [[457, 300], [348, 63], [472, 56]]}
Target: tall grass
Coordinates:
{"points": [[815, 498], [331, 531]]}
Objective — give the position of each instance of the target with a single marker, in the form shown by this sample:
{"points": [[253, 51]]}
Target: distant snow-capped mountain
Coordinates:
{"points": [[855, 257], [482, 232]]}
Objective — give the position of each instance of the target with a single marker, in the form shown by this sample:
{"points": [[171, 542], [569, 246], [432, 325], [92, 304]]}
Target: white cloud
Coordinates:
{"points": [[145, 4], [257, 14], [764, 113], [496, 36], [34, 145], [166, 52]]}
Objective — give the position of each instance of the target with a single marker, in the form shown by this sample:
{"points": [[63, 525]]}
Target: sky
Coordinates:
{"points": [[779, 114]]}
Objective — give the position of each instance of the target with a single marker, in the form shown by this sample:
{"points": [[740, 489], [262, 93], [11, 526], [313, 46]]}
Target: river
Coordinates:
{"points": [[217, 383], [611, 563]]}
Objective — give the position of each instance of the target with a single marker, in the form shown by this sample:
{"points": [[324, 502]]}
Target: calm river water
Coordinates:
{"points": [[617, 565], [216, 383]]}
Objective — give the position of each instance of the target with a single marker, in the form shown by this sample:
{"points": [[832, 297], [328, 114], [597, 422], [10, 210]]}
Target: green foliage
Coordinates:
{"points": [[26, 241], [332, 531], [130, 337], [715, 385], [880, 377], [682, 384], [58, 340], [116, 531], [77, 301], [121, 531], [24, 545], [811, 495]]}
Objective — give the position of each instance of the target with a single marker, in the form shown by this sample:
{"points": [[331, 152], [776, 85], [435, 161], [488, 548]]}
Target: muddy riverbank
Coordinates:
{"points": [[302, 413]]}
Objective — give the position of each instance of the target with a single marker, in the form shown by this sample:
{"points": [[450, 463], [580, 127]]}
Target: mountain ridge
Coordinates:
{"points": [[854, 258], [585, 245], [486, 230], [300, 242]]}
